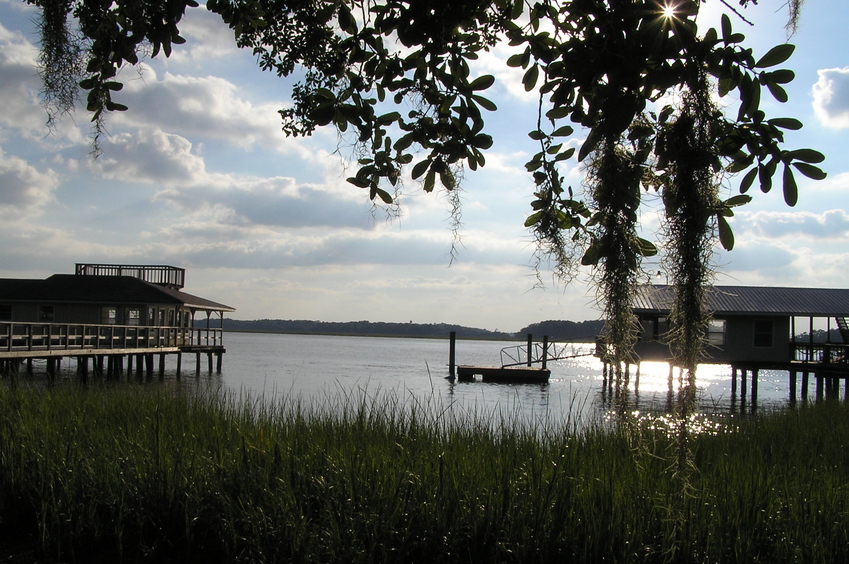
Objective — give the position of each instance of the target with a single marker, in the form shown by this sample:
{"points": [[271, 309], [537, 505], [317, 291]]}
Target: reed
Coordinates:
{"points": [[158, 473]]}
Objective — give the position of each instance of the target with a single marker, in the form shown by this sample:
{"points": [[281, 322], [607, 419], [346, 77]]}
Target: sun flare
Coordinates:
{"points": [[668, 10]]}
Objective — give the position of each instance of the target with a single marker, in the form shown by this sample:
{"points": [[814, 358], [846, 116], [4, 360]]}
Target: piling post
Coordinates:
{"points": [[544, 352], [452, 350], [179, 363], [754, 386], [209, 362], [530, 349], [804, 393], [792, 387], [218, 357]]}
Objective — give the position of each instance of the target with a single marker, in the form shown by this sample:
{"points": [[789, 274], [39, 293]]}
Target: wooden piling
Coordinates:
{"points": [[452, 349]]}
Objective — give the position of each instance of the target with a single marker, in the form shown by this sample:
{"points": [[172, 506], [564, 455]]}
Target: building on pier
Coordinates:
{"points": [[107, 310], [754, 328]]}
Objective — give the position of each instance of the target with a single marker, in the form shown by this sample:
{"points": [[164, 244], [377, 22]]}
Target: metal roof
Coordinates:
{"points": [[77, 288], [752, 300]]}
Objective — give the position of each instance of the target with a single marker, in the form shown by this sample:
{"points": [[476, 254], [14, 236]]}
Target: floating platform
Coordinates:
{"points": [[513, 374]]}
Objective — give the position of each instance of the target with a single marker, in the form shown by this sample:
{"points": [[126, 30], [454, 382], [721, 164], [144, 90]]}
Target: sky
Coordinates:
{"points": [[198, 174]]}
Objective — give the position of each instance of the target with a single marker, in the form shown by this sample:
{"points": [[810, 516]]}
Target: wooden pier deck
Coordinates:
{"points": [[512, 374], [24, 342]]}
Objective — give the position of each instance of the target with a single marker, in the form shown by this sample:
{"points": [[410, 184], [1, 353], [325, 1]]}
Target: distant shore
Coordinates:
{"points": [[584, 331]]}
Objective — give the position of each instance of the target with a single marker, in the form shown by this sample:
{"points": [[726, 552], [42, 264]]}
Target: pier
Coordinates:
{"points": [[517, 362], [102, 349]]}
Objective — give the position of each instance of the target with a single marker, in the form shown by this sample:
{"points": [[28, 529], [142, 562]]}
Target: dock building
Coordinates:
{"points": [[108, 312]]}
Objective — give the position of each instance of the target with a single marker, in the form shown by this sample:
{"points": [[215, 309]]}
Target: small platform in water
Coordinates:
{"points": [[514, 374]]}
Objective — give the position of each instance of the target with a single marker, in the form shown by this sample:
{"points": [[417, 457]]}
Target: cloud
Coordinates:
{"points": [[150, 156], [24, 190], [208, 108], [831, 97], [832, 224]]}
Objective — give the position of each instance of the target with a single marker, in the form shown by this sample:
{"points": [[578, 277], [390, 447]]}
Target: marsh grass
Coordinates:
{"points": [[158, 473]]}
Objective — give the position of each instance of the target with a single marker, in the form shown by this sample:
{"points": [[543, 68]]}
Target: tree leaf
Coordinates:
{"points": [[806, 155], [776, 55], [564, 131], [791, 192], [591, 256], [533, 219], [748, 180], [726, 235], [482, 82], [530, 78], [486, 103], [430, 181], [420, 168], [786, 123], [646, 248], [777, 92], [810, 171]]}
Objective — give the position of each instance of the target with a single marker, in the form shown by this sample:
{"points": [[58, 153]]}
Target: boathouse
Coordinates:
{"points": [[756, 328], [111, 311]]}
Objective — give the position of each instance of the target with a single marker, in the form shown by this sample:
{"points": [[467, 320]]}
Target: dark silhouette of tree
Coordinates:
{"points": [[600, 68]]}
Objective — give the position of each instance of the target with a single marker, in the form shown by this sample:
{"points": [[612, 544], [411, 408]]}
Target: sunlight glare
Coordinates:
{"points": [[668, 11]]}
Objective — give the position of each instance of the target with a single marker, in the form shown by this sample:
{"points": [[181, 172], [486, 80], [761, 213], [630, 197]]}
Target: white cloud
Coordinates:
{"points": [[208, 108], [831, 97], [150, 156], [24, 190], [832, 224]]}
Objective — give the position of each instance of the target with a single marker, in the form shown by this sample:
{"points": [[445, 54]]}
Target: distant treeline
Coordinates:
{"points": [[556, 330], [565, 330], [363, 328]]}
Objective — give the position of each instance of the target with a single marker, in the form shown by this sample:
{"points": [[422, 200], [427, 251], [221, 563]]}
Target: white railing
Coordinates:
{"points": [[16, 337]]}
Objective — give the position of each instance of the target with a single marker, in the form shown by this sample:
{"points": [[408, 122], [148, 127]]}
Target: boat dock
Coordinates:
{"points": [[517, 362]]}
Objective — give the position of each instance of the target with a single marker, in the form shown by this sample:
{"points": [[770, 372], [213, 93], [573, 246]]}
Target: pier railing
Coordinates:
{"points": [[820, 353], [519, 355], [18, 337]]}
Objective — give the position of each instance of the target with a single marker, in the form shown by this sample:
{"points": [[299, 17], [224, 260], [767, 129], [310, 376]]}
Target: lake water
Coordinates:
{"points": [[327, 371], [312, 369]]}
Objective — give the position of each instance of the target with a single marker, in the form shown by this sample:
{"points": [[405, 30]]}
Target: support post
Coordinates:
{"points": [[530, 349], [792, 387], [544, 352], [179, 363], [452, 349]]}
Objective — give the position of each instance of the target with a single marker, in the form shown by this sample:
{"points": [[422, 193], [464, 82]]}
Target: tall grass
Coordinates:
{"points": [[157, 473]]}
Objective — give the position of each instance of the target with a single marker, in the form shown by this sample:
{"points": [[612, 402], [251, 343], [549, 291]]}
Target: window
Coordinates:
{"points": [[151, 316], [170, 317], [108, 316], [5, 313], [132, 316], [716, 333], [161, 317], [45, 314], [763, 333]]}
